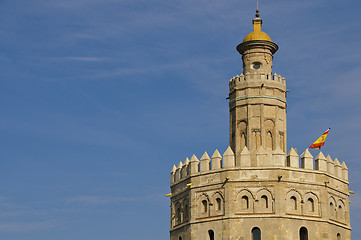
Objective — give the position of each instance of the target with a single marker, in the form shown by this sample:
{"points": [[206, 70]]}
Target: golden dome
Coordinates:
{"points": [[257, 34]]}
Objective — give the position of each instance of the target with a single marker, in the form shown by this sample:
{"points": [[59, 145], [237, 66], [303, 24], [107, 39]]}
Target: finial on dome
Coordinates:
{"points": [[257, 11]]}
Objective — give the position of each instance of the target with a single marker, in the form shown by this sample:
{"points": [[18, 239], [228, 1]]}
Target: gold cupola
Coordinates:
{"points": [[257, 38], [257, 34]]}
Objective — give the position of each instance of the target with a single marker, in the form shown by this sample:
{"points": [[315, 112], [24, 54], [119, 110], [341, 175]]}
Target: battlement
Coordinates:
{"points": [[240, 79], [264, 159]]}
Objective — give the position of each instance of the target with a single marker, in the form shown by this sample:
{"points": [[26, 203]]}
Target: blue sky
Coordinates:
{"points": [[99, 98]]}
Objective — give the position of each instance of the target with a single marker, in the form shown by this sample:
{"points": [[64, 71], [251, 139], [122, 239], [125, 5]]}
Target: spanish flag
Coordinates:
{"points": [[320, 141]]}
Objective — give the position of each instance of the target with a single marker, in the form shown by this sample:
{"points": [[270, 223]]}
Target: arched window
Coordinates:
{"points": [[310, 205], [264, 201], [243, 131], [205, 206], [269, 127], [211, 234], [269, 140], [256, 233], [340, 213], [338, 236], [303, 233], [332, 210], [219, 204], [185, 211], [293, 203], [178, 215], [244, 202], [243, 140]]}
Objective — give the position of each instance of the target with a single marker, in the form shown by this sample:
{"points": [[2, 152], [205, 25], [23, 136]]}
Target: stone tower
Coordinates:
{"points": [[256, 190]]}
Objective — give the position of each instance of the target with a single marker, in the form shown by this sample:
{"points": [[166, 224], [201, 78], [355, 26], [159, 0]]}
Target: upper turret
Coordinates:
{"points": [[257, 99]]}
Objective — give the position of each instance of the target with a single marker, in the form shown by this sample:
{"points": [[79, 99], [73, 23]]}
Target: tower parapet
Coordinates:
{"points": [[269, 160]]}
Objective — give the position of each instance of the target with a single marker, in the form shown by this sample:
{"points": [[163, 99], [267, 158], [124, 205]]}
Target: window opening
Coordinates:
{"points": [[211, 234], [294, 203], [245, 202], [205, 204], [332, 210], [178, 215], [303, 233], [340, 213], [219, 204], [256, 233], [338, 236], [264, 201], [185, 214], [311, 205]]}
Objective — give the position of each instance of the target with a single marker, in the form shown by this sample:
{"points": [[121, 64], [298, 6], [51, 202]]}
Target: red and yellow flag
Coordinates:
{"points": [[320, 141]]}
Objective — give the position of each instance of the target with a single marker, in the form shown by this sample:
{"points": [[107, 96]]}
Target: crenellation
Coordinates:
{"points": [[216, 160], [321, 162], [293, 159], [338, 168], [194, 164], [275, 77], [178, 172], [344, 171], [247, 76], [245, 158], [185, 171], [256, 77], [241, 77], [279, 157], [205, 162], [306, 160], [172, 174], [330, 165], [262, 158], [228, 158]]}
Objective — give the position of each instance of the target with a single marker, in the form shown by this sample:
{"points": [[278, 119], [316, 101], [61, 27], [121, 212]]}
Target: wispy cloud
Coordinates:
{"points": [[27, 226], [87, 59]]}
